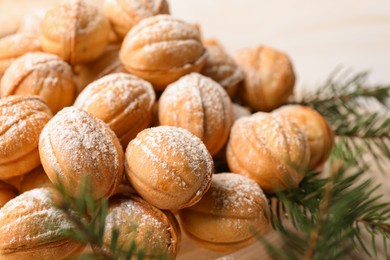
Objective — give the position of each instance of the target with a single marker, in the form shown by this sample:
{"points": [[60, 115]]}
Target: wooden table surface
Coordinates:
{"points": [[318, 36]]}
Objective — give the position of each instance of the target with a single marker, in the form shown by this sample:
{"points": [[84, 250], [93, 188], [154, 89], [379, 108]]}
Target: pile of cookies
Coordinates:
{"points": [[134, 100]]}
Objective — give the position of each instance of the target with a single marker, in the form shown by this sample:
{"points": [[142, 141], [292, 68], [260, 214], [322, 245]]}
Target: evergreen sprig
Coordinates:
{"points": [[327, 218], [303, 201]]}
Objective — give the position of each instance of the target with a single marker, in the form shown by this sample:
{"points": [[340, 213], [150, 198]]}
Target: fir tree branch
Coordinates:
{"points": [[316, 231], [374, 224], [335, 217], [376, 221], [304, 201]]}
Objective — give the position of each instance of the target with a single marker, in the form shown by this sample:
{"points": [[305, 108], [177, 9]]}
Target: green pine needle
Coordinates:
{"points": [[331, 216]]}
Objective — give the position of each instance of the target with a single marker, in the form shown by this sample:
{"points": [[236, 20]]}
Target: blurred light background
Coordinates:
{"points": [[318, 35]]}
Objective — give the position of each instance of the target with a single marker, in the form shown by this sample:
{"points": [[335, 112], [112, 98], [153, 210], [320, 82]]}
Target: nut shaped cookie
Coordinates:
{"points": [[161, 49], [124, 14], [169, 167], [221, 67], [123, 101], [14, 46], [268, 149], [228, 214], [30, 228], [155, 232], [42, 74], [76, 147], [75, 30], [199, 105], [315, 127], [269, 77], [22, 119]]}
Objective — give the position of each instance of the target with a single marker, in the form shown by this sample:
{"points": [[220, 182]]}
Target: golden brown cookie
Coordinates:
{"points": [[161, 49], [123, 101], [269, 77], [155, 232], [315, 127], [228, 215], [42, 74], [124, 14], [76, 31], [199, 105], [268, 149], [221, 67], [169, 167], [22, 119], [15, 45], [30, 228], [76, 147]]}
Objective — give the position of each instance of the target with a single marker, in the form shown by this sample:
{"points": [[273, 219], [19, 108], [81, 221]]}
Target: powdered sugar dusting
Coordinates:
{"points": [[44, 61], [143, 9], [21, 121], [117, 91], [49, 72], [272, 140], [160, 28], [217, 105], [136, 221], [236, 195], [14, 40], [161, 43], [177, 162], [199, 105], [221, 67], [73, 16], [31, 219], [279, 134], [181, 105], [85, 146], [182, 142], [15, 45]]}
